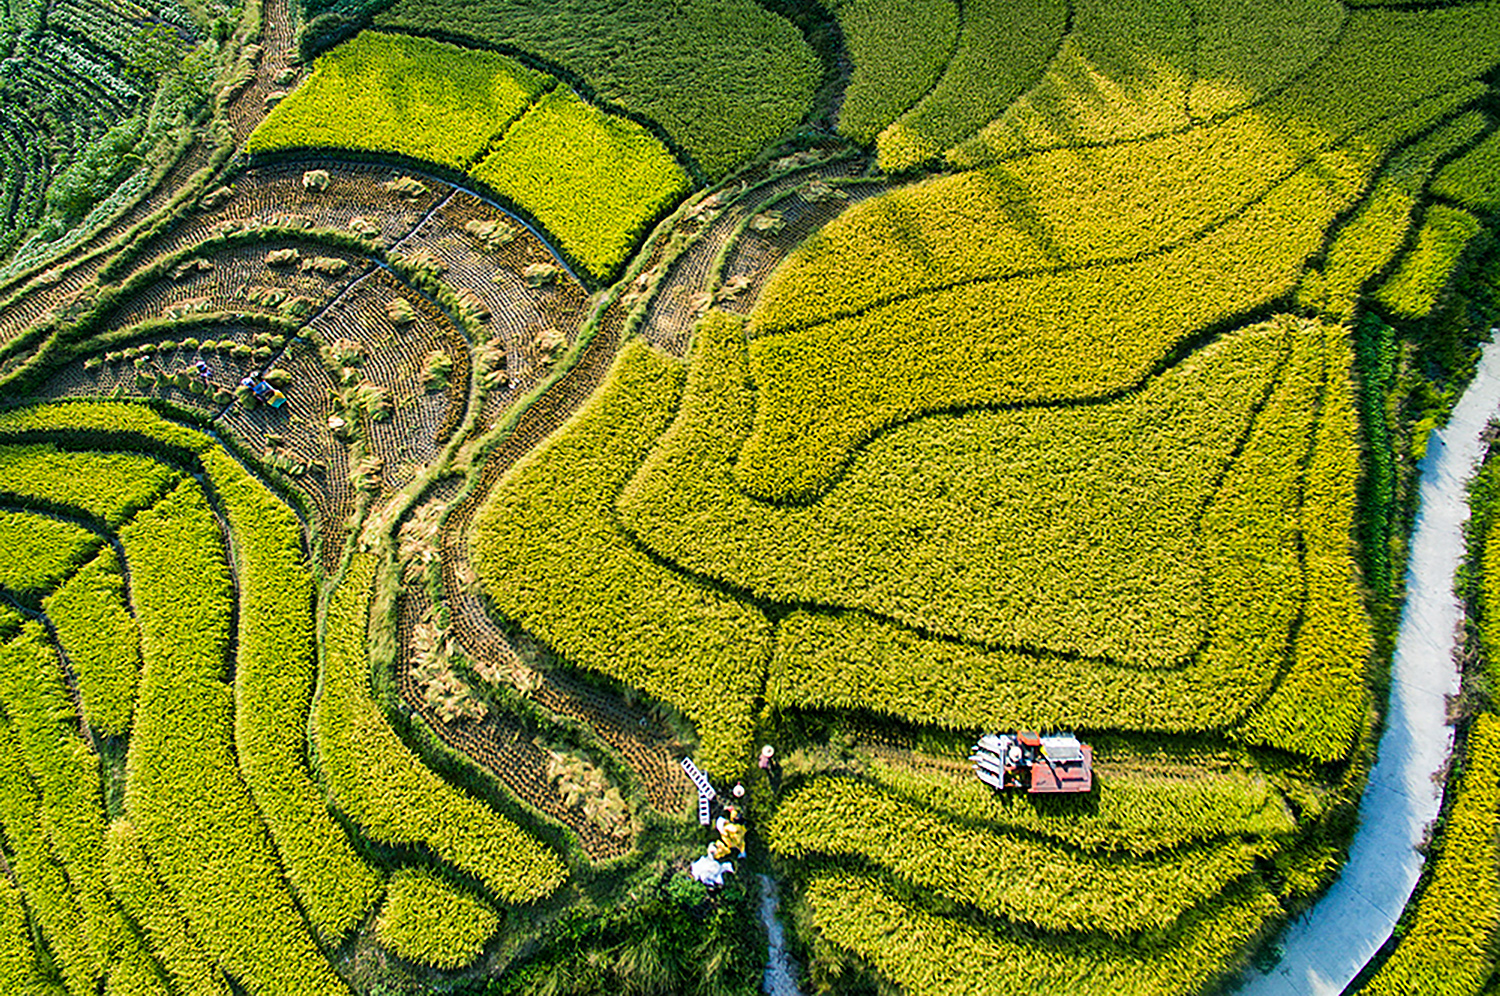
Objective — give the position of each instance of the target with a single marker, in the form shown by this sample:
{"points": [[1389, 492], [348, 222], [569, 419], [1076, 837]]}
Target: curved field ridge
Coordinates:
{"points": [[1074, 273], [722, 78], [594, 180]]}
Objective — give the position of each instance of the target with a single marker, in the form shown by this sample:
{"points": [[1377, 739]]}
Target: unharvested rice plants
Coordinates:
{"points": [[899, 49], [594, 180], [404, 95], [96, 630], [428, 920], [37, 552], [552, 559], [1413, 290], [1474, 179], [1001, 51], [722, 78], [1448, 949]]}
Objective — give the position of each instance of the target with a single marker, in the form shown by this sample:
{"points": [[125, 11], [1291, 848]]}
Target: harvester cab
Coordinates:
{"points": [[1041, 765]]}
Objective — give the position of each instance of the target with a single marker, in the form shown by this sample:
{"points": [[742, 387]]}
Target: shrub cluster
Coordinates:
{"points": [[428, 920]]}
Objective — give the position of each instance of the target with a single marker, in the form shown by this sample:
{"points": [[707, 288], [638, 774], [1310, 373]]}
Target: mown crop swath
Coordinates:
{"points": [[722, 78]]}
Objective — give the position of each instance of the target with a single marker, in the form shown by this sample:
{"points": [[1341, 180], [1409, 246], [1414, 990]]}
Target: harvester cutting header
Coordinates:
{"points": [[1038, 764]]}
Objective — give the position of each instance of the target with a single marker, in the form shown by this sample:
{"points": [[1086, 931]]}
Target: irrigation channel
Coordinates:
{"points": [[1324, 949]]}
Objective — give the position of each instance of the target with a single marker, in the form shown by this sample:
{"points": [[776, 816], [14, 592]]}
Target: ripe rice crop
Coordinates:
{"points": [[195, 816], [1011, 326], [592, 179], [990, 529], [275, 671], [1133, 814], [1002, 49], [1474, 179], [20, 972], [410, 96], [931, 954], [135, 882], [722, 78], [1413, 290], [427, 920], [377, 781], [899, 49], [1007, 876], [552, 559], [1365, 244], [1448, 948], [37, 552], [110, 487]]}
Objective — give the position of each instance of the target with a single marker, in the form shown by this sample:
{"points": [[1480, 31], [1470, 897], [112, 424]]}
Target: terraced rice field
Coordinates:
{"points": [[422, 425]]}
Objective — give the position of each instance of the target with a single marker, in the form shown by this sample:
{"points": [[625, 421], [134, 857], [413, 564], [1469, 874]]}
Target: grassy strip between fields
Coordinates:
{"points": [[98, 633], [552, 558], [1008, 876], [1448, 949], [427, 920], [382, 786]]}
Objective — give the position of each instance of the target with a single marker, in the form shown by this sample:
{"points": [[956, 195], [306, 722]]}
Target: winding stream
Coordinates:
{"points": [[1325, 948]]}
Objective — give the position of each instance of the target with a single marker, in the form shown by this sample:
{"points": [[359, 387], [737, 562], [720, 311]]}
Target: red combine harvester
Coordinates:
{"points": [[1038, 764]]}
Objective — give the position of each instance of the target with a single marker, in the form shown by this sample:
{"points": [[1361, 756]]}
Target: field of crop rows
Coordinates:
{"points": [[424, 424]]}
